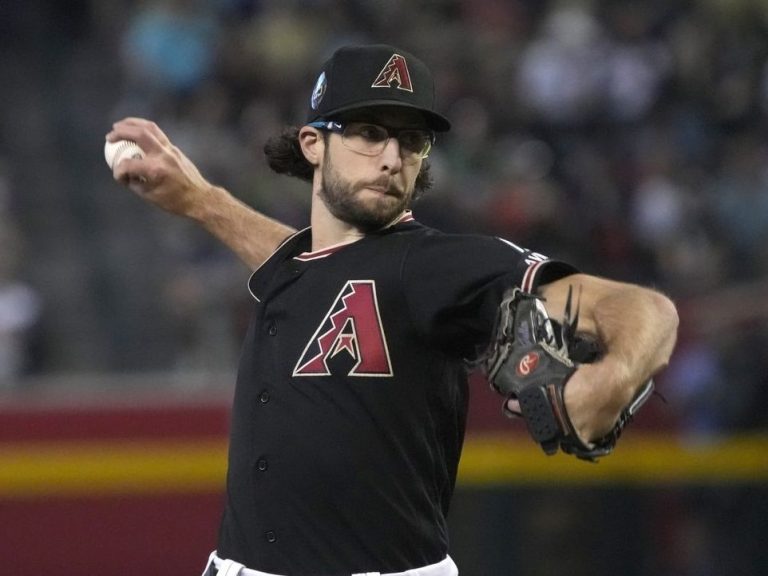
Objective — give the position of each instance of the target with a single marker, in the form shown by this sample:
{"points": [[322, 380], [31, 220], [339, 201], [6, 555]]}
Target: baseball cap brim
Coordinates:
{"points": [[435, 121]]}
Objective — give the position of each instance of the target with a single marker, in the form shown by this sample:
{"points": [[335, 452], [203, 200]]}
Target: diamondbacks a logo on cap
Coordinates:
{"points": [[395, 70], [318, 91]]}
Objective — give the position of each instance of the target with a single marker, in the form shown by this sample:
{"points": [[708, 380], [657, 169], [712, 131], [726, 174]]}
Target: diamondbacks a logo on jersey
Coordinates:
{"points": [[395, 70], [351, 327]]}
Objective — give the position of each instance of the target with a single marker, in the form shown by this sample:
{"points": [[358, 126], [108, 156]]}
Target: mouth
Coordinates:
{"points": [[384, 189]]}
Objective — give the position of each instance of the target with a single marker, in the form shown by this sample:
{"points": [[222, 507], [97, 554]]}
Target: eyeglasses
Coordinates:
{"points": [[371, 139]]}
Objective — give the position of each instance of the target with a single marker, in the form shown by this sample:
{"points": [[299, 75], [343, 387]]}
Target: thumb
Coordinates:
{"points": [[512, 408]]}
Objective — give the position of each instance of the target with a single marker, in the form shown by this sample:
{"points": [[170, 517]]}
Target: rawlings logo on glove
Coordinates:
{"points": [[531, 359]]}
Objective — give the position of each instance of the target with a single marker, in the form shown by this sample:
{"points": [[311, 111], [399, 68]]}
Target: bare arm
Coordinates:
{"points": [[248, 233], [637, 328], [168, 179]]}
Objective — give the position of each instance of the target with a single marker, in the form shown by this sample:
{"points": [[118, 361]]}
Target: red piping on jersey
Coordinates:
{"points": [[530, 275], [406, 216], [307, 256]]}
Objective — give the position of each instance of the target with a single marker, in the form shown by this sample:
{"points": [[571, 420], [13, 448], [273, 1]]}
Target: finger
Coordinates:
{"points": [[146, 134], [512, 408], [140, 122], [147, 141], [132, 170], [149, 125], [137, 184]]}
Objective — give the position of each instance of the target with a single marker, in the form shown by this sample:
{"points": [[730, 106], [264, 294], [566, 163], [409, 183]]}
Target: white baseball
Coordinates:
{"points": [[116, 152]]}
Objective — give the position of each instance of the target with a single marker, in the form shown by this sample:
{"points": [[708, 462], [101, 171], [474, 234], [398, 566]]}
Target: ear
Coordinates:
{"points": [[312, 145]]}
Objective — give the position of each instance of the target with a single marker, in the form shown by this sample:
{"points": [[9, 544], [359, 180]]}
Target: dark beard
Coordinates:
{"points": [[342, 201]]}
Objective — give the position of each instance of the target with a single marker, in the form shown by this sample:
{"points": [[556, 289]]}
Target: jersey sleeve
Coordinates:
{"points": [[454, 284]]}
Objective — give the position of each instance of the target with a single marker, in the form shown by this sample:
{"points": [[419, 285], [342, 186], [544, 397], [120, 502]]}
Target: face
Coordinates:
{"points": [[370, 192]]}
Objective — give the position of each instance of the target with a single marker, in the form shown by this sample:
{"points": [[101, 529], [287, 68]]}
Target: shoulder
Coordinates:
{"points": [[462, 248], [445, 254], [417, 232], [294, 244]]}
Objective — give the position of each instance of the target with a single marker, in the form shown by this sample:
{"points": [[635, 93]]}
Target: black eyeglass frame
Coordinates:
{"points": [[339, 127]]}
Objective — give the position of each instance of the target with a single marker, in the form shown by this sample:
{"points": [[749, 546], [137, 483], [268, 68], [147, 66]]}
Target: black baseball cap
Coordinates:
{"points": [[374, 75]]}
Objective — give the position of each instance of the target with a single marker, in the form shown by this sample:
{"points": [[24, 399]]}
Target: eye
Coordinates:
{"points": [[416, 141], [413, 140], [370, 132]]}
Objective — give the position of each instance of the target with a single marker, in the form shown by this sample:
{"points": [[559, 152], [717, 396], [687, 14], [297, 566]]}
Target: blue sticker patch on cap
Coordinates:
{"points": [[318, 91]]}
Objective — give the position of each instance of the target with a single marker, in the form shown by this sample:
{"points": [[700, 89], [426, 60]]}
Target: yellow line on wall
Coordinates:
{"points": [[114, 467], [641, 460], [97, 468]]}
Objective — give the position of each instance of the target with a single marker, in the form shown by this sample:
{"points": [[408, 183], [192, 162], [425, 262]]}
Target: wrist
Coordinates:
{"points": [[205, 202], [595, 397]]}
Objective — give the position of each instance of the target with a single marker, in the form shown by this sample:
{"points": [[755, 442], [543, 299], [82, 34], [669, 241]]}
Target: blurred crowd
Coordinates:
{"points": [[626, 136]]}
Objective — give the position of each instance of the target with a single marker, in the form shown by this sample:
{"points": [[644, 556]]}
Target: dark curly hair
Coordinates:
{"points": [[284, 156]]}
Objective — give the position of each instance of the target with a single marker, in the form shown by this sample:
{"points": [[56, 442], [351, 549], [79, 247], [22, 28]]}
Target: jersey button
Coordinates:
{"points": [[270, 536], [264, 397], [272, 329], [262, 464]]}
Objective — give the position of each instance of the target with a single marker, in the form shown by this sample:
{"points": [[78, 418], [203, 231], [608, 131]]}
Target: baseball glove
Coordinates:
{"points": [[531, 358]]}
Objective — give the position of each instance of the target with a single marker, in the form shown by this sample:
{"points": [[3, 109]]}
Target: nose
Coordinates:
{"points": [[391, 158]]}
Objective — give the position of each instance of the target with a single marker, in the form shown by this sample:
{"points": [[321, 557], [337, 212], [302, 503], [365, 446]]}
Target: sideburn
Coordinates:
{"points": [[424, 181]]}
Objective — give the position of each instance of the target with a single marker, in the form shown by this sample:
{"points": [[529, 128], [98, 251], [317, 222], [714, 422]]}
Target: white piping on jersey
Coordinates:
{"points": [[534, 260], [515, 246], [318, 254], [529, 277], [406, 216], [269, 258]]}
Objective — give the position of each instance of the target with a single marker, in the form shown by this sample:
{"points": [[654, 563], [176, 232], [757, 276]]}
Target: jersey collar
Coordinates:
{"points": [[406, 216]]}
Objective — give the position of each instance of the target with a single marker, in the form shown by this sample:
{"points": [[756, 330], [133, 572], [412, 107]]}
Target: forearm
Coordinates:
{"points": [[637, 329], [166, 178], [251, 235]]}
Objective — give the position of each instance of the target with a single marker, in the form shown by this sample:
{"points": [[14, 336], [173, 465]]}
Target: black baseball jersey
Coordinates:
{"points": [[351, 397]]}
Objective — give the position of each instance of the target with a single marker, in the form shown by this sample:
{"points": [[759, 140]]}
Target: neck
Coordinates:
{"points": [[327, 230]]}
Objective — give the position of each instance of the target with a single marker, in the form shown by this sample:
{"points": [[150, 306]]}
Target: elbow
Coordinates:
{"points": [[666, 310], [668, 320]]}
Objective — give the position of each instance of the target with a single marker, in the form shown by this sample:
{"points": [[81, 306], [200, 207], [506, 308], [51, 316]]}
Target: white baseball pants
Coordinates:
{"points": [[445, 567]]}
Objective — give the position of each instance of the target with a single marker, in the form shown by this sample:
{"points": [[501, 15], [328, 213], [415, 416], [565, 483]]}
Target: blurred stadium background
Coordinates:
{"points": [[627, 136]]}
